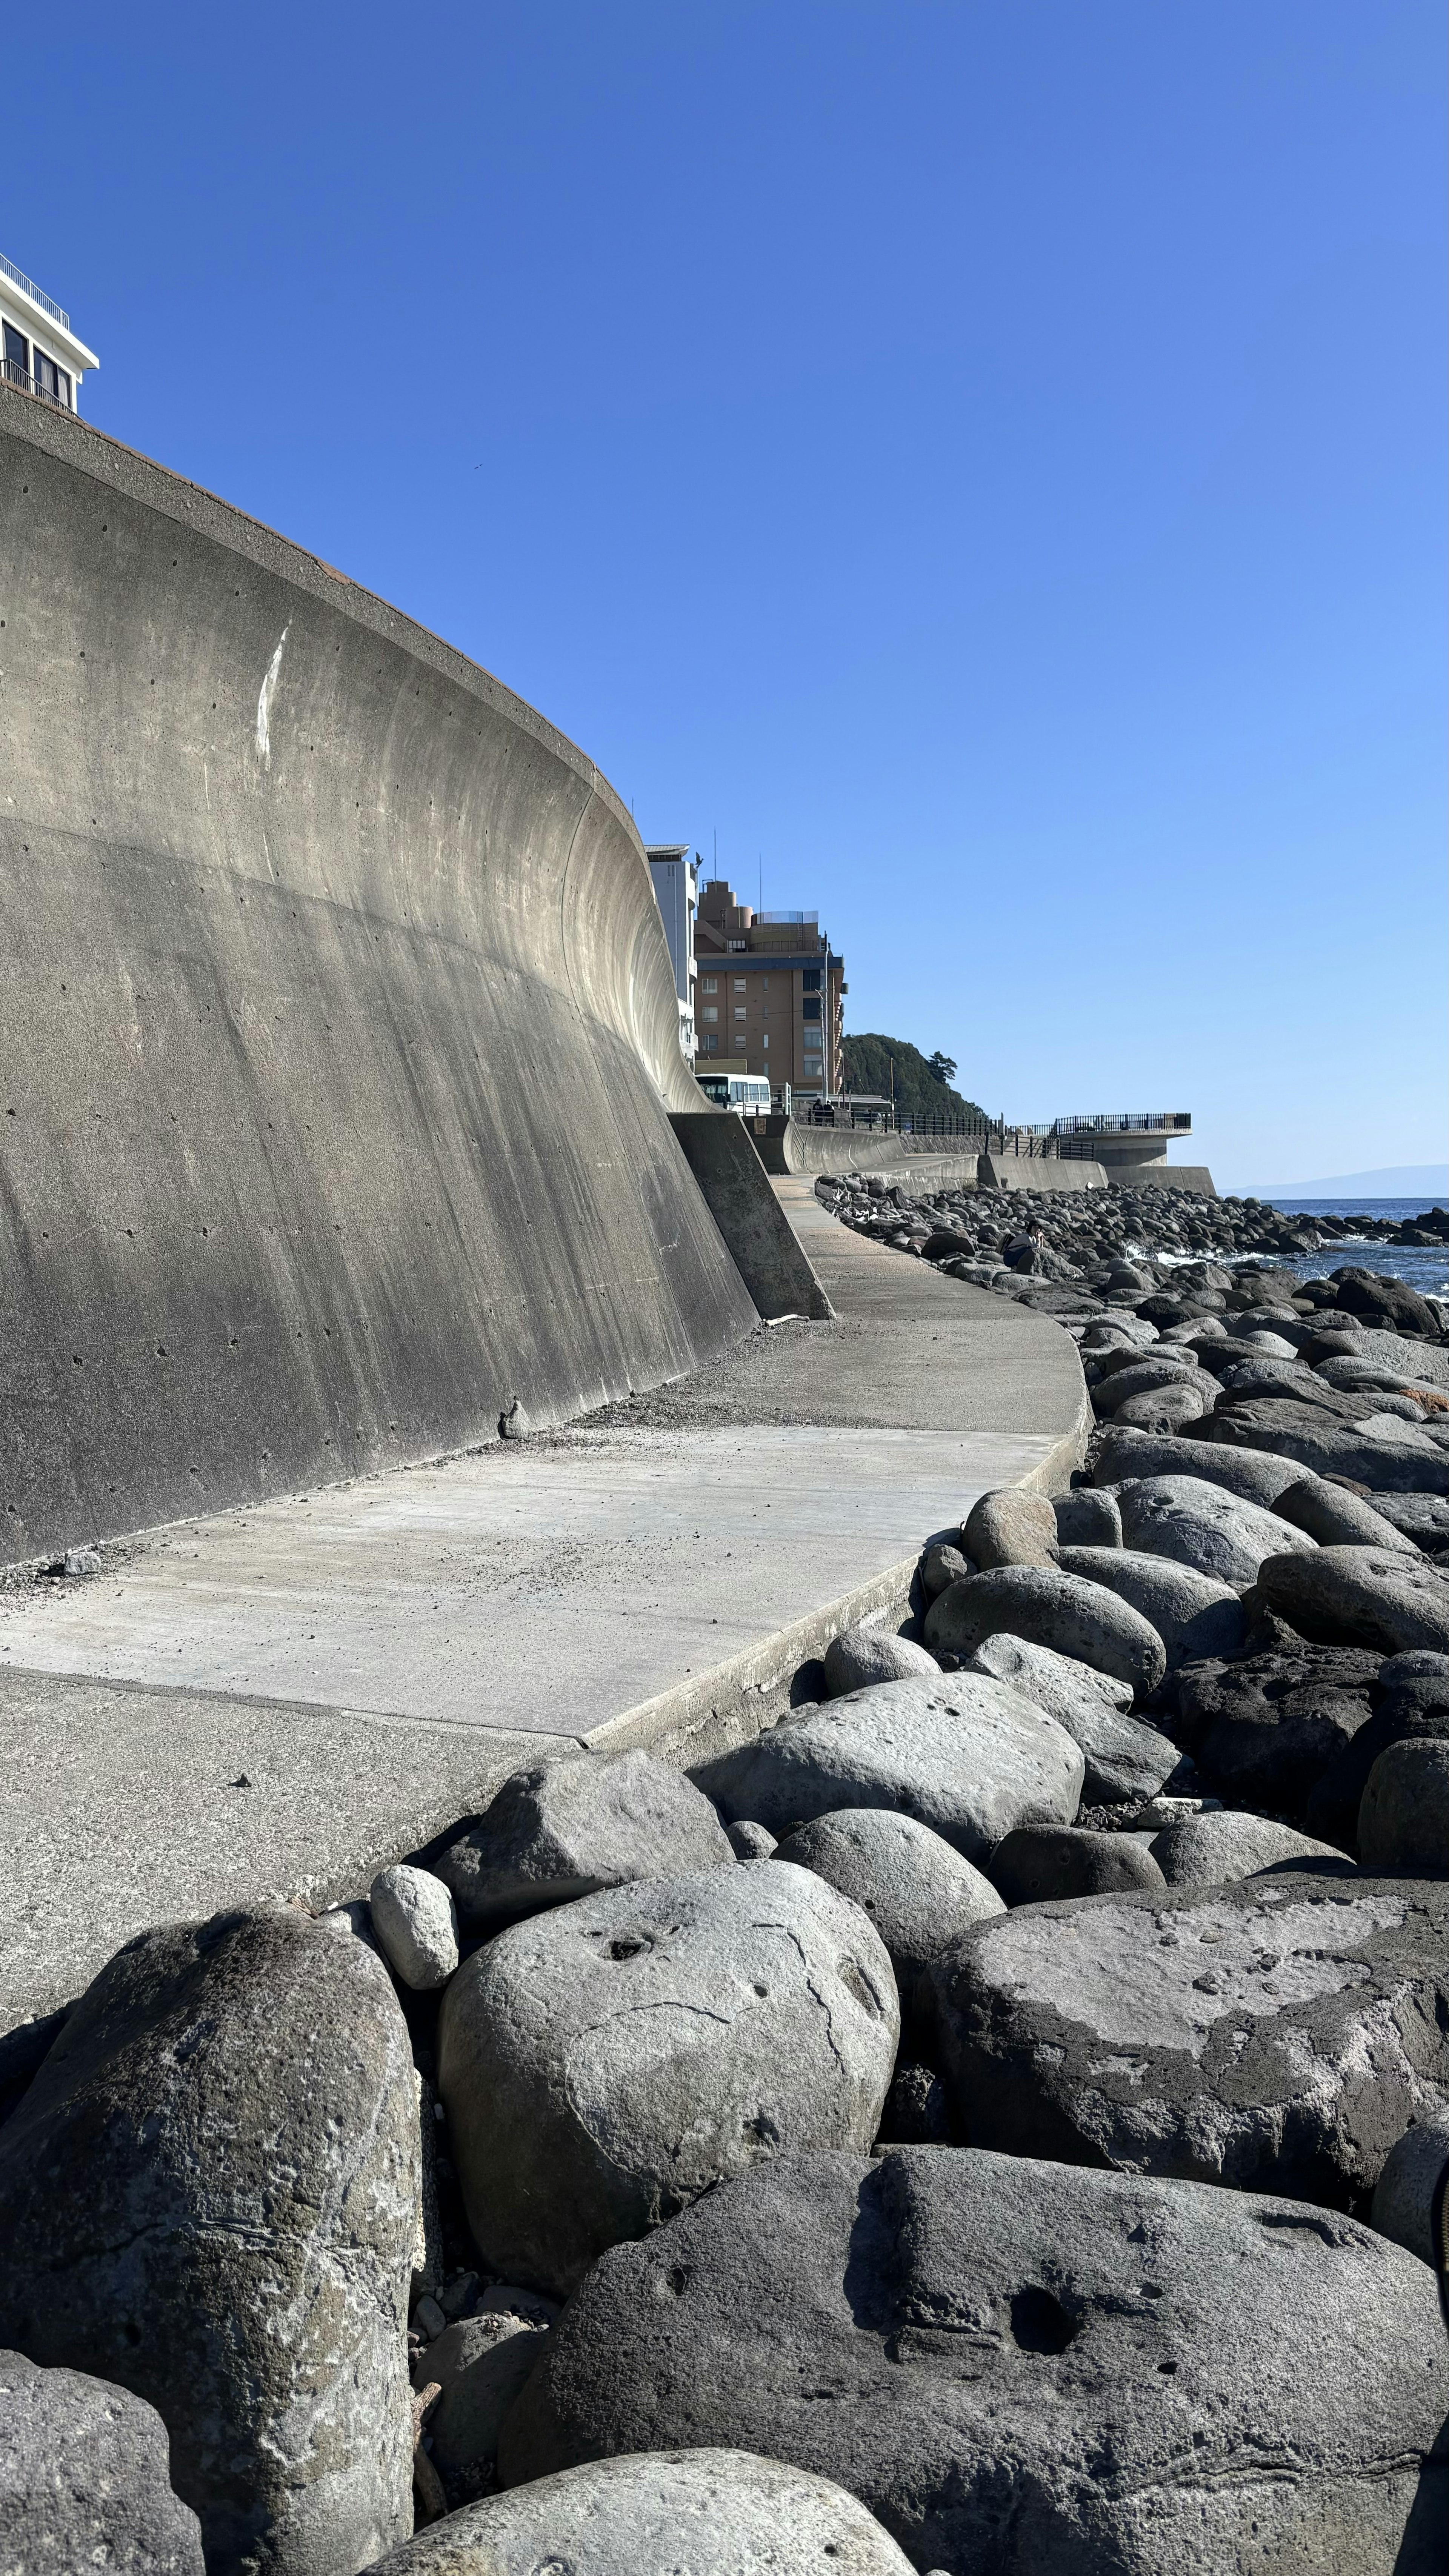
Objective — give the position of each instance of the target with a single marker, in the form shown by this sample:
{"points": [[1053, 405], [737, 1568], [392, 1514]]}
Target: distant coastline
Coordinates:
{"points": [[1426, 1182]]}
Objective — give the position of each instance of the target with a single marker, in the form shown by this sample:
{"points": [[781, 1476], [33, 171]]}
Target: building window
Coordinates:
{"points": [[810, 1009], [17, 352], [710, 984], [741, 985], [52, 379], [739, 1010], [810, 980], [765, 1040], [711, 1046], [710, 1010]]}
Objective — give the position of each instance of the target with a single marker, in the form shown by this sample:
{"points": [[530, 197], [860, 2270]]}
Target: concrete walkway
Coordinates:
{"points": [[282, 1698]]}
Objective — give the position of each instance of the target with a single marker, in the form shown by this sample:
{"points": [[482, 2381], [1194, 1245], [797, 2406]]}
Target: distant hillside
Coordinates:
{"points": [[922, 1084]]}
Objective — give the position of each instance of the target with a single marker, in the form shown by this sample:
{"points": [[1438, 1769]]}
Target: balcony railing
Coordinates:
{"points": [[1121, 1122], [17, 375], [28, 287]]}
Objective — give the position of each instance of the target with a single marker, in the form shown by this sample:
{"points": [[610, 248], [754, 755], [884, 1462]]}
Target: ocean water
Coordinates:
{"points": [[1427, 1271]]}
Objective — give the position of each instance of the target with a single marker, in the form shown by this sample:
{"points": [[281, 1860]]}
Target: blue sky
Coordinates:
{"points": [[986, 459]]}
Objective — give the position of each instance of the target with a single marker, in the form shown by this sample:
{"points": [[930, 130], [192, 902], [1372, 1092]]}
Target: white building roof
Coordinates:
{"points": [[30, 303]]}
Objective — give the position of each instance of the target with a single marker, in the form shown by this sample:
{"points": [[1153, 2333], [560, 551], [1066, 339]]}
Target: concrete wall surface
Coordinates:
{"points": [[338, 1033], [737, 1192]]}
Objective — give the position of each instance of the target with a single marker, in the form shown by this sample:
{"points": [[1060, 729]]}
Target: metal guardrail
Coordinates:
{"points": [[15, 374], [36, 294], [1119, 1122]]}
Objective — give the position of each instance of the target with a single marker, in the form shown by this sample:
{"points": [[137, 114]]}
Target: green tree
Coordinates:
{"points": [[882, 1064]]}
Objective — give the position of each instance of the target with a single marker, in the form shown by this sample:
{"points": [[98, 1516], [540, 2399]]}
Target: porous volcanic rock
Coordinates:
{"points": [[1212, 1849], [1403, 2202], [1124, 1453], [1372, 1454], [563, 1829], [660, 2513], [1403, 1821], [1050, 1608], [85, 2479], [1276, 2033], [1339, 1519], [1088, 1517], [968, 2340], [964, 1755], [1039, 1862], [1264, 1730], [1359, 1596], [606, 2061], [210, 2195]]}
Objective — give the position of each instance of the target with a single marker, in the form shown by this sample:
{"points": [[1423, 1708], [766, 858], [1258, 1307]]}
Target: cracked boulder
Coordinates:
{"points": [[210, 2195], [85, 2479], [1275, 2034], [561, 1829], [604, 2063], [1025, 2367], [963, 1754]]}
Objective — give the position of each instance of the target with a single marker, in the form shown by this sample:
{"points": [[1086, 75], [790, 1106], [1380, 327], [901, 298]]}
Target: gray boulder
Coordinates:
{"points": [[1382, 1455], [479, 2365], [660, 2513], [943, 1564], [860, 1657], [1276, 2032], [414, 1919], [749, 1841], [1359, 1596], [1339, 1519], [1039, 1862], [1049, 1607], [563, 1829], [1411, 1705], [915, 1886], [210, 2196], [964, 1755], [85, 2479], [1193, 1615], [1263, 1731], [1221, 1845], [603, 2063], [1021, 2367], [1124, 1453], [1198, 1525], [1168, 1408], [1124, 1758], [1403, 1822], [1404, 2195], [1422, 1517], [1087, 1517], [1123, 1379], [1010, 1527]]}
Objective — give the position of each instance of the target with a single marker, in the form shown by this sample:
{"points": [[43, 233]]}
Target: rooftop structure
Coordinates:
{"points": [[41, 354]]}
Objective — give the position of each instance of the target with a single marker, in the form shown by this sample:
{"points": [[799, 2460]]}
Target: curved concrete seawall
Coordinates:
{"points": [[338, 1035]]}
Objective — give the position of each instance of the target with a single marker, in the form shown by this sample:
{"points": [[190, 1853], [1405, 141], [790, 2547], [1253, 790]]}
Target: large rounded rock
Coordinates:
{"points": [[1385, 1301], [1359, 1596], [478, 2366], [1198, 1525], [85, 2479], [1039, 1862], [1123, 1758], [1213, 1849], [1127, 1378], [1403, 1822], [1410, 1702], [660, 2513], [860, 1657], [1276, 2033], [915, 1886], [564, 1828], [1020, 2366], [1193, 1615], [1010, 1527], [1051, 1608], [1386, 1459], [1167, 1408], [1125, 1453], [1263, 1731], [1336, 1518], [210, 2194], [965, 1755], [603, 2063], [1422, 1517], [1087, 1517], [1407, 2188]]}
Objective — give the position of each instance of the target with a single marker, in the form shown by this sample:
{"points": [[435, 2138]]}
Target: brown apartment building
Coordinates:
{"points": [[769, 994]]}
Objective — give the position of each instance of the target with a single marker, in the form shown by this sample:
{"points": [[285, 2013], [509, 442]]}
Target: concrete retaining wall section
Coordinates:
{"points": [[738, 1195], [337, 1027]]}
